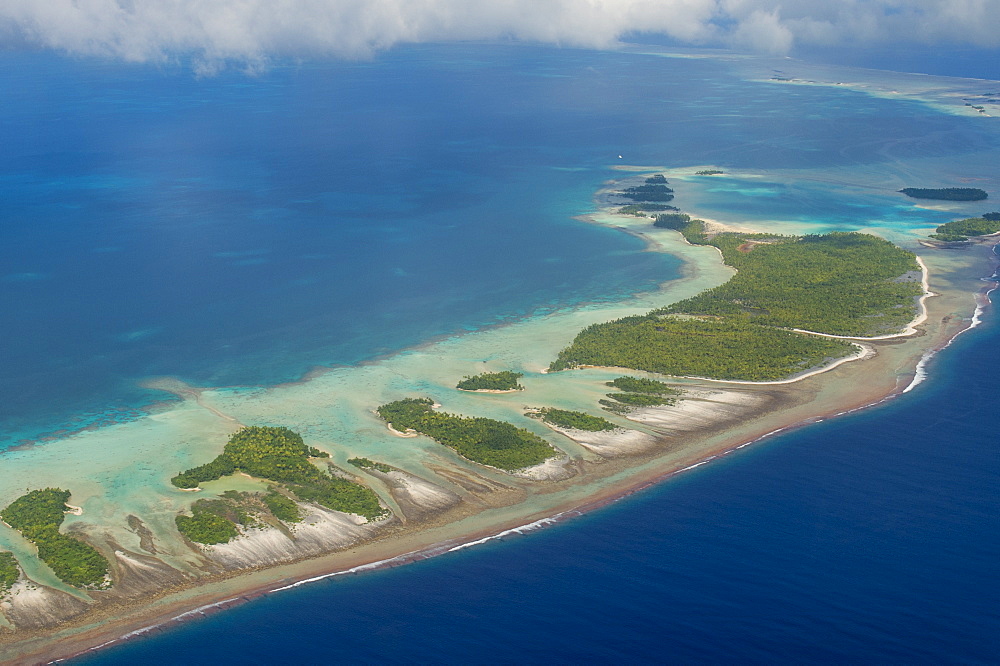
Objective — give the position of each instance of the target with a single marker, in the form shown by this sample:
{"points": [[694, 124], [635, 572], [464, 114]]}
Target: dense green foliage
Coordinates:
{"points": [[992, 217], [206, 527], [961, 230], [283, 508], [838, 283], [639, 209], [38, 515], [946, 193], [692, 230], [493, 381], [365, 463], [656, 179], [733, 349], [487, 441], [639, 392], [642, 399], [9, 571], [643, 385], [672, 220], [565, 418], [658, 192], [279, 455], [708, 172]]}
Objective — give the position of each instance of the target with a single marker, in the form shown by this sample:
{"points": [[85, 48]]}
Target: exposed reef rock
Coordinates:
{"points": [[29, 605], [320, 531], [701, 410], [418, 499]]}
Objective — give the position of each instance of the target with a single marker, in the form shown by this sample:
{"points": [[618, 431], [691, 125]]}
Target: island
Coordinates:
{"points": [[567, 418], [946, 193], [962, 230], [635, 392], [504, 382], [277, 454], [37, 515], [486, 441]]}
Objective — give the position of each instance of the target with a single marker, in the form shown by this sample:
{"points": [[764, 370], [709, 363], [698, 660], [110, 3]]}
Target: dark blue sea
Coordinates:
{"points": [[244, 229]]}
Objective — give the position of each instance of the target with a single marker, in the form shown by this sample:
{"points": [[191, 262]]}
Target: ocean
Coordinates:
{"points": [[248, 229]]}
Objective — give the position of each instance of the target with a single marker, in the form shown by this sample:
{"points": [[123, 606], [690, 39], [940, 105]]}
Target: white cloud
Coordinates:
{"points": [[251, 31]]}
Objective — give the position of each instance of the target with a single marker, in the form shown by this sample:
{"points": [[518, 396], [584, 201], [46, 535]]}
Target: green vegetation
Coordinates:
{"points": [[215, 521], [492, 381], [657, 192], [692, 230], [672, 221], [841, 283], [642, 385], [708, 172], [657, 179], [38, 515], [205, 526], [486, 441], [365, 463], [642, 399], [946, 193], [9, 571], [279, 455], [693, 347], [565, 418], [992, 217], [283, 508], [640, 209], [639, 392], [961, 230]]}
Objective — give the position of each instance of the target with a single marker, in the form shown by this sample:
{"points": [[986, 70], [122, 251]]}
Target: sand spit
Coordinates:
{"points": [[29, 605], [320, 531]]}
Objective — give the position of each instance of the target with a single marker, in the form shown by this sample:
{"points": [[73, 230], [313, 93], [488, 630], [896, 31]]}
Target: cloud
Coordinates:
{"points": [[250, 32]]}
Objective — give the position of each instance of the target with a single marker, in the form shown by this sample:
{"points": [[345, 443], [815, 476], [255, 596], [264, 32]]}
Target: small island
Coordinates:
{"points": [[276, 454], [635, 392], [962, 230], [654, 189], [37, 515], [492, 382], [486, 441], [565, 418], [946, 193], [709, 172]]}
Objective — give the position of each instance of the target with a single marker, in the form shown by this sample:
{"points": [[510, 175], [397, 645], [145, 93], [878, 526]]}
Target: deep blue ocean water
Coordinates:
{"points": [[245, 229]]}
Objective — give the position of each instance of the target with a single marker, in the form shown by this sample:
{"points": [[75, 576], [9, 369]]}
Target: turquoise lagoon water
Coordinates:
{"points": [[246, 229]]}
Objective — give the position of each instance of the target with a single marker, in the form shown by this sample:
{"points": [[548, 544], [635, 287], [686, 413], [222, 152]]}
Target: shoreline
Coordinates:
{"points": [[386, 551]]}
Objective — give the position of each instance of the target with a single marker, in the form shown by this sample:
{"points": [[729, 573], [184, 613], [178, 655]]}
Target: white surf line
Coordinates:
{"points": [[920, 373], [910, 328]]}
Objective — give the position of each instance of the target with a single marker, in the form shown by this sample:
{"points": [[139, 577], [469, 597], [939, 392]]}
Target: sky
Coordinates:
{"points": [[214, 34]]}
